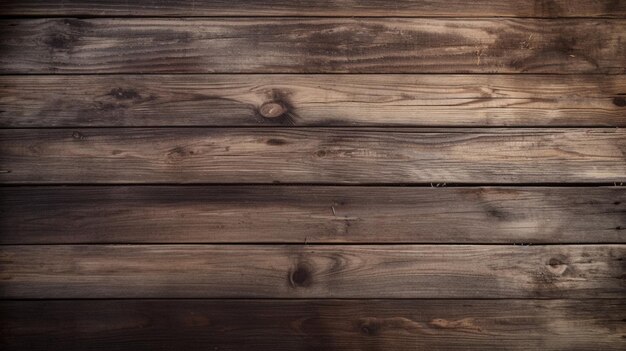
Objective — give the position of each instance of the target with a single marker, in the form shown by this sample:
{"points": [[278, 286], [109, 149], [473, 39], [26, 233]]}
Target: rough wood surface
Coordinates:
{"points": [[312, 100], [436, 8], [312, 175], [317, 214], [314, 45], [300, 271], [313, 325], [301, 155]]}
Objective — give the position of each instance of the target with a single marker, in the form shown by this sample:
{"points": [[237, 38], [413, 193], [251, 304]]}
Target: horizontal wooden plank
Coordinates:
{"points": [[313, 325], [314, 45], [437, 8], [312, 100], [300, 155], [299, 271], [318, 214]]}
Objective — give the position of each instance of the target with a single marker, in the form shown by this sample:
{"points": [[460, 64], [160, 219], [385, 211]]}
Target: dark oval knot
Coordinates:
{"points": [[619, 101], [300, 277], [554, 262]]}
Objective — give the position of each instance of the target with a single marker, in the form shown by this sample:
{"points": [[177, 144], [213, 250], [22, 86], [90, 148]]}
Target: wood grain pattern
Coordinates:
{"points": [[443, 8], [314, 45], [312, 175], [312, 100], [298, 271], [318, 214], [299, 155], [313, 325]]}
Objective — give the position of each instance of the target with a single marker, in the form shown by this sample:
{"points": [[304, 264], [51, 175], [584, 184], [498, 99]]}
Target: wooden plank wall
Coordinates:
{"points": [[296, 175]]}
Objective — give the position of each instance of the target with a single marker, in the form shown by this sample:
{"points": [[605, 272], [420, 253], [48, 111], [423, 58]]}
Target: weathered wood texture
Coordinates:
{"points": [[298, 271], [234, 175], [298, 155], [300, 45], [432, 8], [312, 100], [296, 214], [313, 325]]}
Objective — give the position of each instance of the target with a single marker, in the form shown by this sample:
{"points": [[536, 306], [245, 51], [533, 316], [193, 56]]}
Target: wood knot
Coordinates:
{"points": [[369, 330], [124, 94], [554, 262], [369, 326], [301, 276], [275, 142], [179, 153], [619, 101], [78, 135], [321, 153], [59, 41], [272, 109], [557, 266]]}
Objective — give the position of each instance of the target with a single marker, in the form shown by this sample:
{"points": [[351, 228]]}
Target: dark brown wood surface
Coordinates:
{"points": [[312, 271], [300, 155], [313, 45], [314, 325], [432, 8], [328, 175], [311, 214], [312, 100]]}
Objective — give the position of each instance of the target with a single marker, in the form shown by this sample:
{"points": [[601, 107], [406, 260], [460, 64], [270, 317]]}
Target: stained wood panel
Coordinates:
{"points": [[318, 214], [300, 155], [432, 8], [312, 100], [313, 324], [297, 271], [328, 175], [318, 45]]}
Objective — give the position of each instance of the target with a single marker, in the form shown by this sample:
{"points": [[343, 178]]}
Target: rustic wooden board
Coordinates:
{"points": [[299, 271], [301, 155], [234, 175], [313, 325], [313, 45], [317, 214], [312, 100], [443, 8]]}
